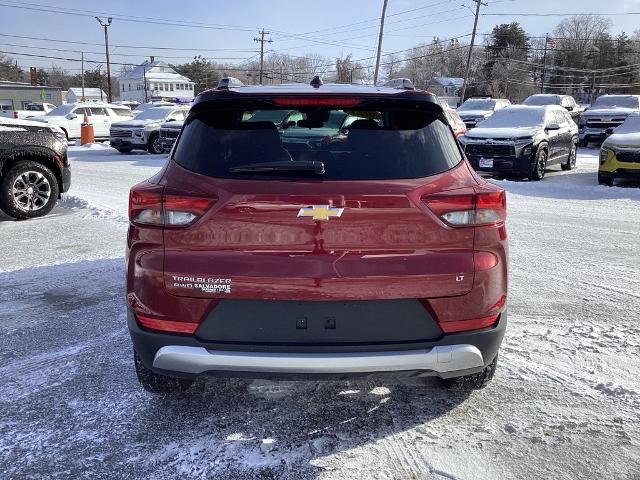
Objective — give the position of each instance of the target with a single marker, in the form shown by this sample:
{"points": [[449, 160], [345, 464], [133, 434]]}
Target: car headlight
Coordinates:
{"points": [[604, 154], [526, 150], [138, 133]]}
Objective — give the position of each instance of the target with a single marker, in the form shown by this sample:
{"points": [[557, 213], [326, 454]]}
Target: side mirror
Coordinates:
{"points": [[569, 109], [553, 126], [71, 116], [609, 131]]}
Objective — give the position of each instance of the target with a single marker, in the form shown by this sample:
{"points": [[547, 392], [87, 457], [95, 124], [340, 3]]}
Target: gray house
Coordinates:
{"points": [[16, 95]]}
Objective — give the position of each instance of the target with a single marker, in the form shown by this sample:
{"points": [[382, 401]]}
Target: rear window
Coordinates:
{"points": [[352, 145]]}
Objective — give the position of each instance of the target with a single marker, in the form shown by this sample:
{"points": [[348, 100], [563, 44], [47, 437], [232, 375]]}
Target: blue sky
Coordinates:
{"points": [[284, 18]]}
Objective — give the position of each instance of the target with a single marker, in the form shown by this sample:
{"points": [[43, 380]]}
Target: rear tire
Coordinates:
{"points": [[605, 180], [570, 164], [124, 150], [475, 381], [155, 383], [539, 166], [155, 145], [28, 190]]}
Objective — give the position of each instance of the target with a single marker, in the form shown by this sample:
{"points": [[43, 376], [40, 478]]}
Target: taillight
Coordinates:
{"points": [[317, 101], [153, 205], [466, 325], [167, 325], [145, 204], [485, 205]]}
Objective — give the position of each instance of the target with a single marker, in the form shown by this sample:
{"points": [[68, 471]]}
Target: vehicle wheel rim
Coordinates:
{"points": [[542, 164], [157, 145], [31, 191]]}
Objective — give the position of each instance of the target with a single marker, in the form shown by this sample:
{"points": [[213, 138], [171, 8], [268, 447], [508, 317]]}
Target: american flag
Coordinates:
{"points": [[551, 43]]}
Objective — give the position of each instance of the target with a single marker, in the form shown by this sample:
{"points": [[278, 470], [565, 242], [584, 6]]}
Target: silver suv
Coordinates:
{"points": [[143, 132]]}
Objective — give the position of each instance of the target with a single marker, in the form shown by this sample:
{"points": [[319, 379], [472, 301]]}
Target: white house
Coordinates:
{"points": [[154, 80], [90, 95]]}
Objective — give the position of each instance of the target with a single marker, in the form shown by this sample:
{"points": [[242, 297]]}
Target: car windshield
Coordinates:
{"points": [[542, 100], [477, 104], [616, 101], [155, 113], [377, 144], [515, 117], [630, 125], [61, 111]]}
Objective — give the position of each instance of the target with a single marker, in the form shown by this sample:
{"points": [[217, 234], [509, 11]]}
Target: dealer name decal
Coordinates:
{"points": [[204, 284]]}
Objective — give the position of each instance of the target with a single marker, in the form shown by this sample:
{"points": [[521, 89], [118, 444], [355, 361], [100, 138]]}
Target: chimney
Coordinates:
{"points": [[153, 59]]}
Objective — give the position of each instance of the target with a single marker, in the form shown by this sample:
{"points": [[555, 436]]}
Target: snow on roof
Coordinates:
{"points": [[153, 71], [449, 81], [88, 92]]}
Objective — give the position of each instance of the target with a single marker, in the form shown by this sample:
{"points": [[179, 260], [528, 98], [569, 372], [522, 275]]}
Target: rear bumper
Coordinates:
{"points": [[450, 355]]}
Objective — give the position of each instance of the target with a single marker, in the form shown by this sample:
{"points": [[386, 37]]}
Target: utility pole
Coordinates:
{"points": [[544, 63], [375, 74], [144, 77], [82, 70], [261, 40], [473, 41], [106, 48]]}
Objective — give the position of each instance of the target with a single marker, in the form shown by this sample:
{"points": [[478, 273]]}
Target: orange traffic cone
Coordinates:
{"points": [[86, 131]]}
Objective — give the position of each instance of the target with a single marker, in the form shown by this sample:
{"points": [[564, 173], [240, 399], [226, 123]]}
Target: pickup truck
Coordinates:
{"points": [[31, 110]]}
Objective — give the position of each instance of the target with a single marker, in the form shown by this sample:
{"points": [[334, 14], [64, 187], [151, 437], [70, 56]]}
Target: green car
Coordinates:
{"points": [[620, 153]]}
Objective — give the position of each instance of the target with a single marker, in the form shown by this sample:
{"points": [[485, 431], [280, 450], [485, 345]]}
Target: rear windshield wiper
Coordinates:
{"points": [[286, 166]]}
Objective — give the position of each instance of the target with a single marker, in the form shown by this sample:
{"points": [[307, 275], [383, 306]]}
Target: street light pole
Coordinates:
{"points": [[106, 48]]}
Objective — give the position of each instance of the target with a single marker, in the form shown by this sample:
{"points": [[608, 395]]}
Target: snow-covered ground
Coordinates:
{"points": [[565, 402]]}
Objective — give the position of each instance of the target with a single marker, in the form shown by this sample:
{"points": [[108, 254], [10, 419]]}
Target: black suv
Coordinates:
{"points": [[523, 141], [34, 168]]}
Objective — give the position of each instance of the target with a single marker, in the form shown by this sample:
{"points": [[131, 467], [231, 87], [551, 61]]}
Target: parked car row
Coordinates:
{"points": [[523, 140], [69, 117]]}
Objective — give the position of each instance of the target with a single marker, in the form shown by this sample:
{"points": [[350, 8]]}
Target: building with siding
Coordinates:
{"points": [[15, 95], [155, 80]]}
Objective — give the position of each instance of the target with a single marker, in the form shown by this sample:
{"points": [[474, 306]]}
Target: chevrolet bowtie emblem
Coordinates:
{"points": [[320, 212]]}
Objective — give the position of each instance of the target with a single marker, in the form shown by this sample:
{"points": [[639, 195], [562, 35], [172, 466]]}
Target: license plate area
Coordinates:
{"points": [[318, 322], [486, 163]]}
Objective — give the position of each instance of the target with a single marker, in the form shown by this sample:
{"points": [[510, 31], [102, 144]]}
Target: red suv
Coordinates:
{"points": [[352, 239]]}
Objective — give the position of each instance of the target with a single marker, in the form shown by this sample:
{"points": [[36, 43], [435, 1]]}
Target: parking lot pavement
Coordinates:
{"points": [[564, 403]]}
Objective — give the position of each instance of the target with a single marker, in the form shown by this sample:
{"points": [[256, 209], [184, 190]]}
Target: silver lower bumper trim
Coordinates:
{"points": [[439, 360]]}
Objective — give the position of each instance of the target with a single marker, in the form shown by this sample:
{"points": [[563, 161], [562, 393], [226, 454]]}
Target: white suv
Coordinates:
{"points": [[69, 117]]}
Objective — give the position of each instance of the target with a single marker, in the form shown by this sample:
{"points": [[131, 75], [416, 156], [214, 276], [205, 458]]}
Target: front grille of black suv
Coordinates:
{"points": [[486, 150]]}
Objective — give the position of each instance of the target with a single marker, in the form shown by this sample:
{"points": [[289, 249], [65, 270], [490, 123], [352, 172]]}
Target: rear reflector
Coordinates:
{"points": [[167, 325], [485, 205], [465, 325], [151, 205], [317, 101]]}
